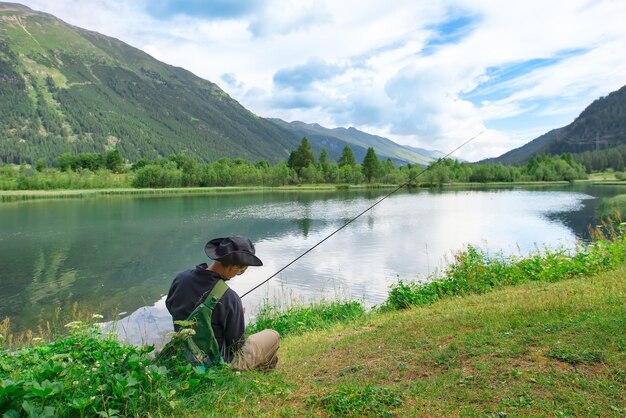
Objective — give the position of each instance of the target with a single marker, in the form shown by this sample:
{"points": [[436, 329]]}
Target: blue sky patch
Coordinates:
{"points": [[211, 9], [500, 81], [450, 31], [301, 76], [550, 113]]}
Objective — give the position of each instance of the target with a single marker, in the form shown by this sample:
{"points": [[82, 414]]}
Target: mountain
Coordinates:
{"points": [[602, 125], [334, 140], [67, 89], [434, 154]]}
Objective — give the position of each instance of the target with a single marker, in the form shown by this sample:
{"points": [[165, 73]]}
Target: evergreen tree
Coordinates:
{"points": [[325, 166], [323, 158], [301, 157], [113, 161], [371, 165], [347, 157]]}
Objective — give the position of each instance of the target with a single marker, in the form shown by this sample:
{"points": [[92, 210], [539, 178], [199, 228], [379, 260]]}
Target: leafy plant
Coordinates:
{"points": [[86, 373]]}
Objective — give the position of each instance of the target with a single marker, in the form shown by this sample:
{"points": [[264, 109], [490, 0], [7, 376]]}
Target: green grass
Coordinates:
{"points": [[538, 349], [605, 175], [299, 319], [613, 205], [23, 195], [474, 271], [552, 344]]}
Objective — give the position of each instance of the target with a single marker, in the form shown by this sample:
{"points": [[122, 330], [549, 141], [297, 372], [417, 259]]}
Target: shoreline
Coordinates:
{"points": [[28, 195]]}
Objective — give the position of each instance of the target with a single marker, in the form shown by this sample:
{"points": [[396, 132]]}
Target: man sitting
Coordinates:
{"points": [[231, 257]]}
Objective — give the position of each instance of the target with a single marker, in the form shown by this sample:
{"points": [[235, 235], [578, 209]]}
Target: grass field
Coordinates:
{"points": [[537, 349]]}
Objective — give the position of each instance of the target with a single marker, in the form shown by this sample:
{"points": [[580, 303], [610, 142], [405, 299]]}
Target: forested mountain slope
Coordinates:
{"points": [[66, 89], [601, 126]]}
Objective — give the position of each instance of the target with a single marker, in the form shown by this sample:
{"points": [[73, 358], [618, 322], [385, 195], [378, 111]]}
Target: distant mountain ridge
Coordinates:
{"points": [[66, 89], [602, 125], [335, 139]]}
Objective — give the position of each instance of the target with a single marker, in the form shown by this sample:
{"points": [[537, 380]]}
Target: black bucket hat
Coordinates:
{"points": [[236, 250]]}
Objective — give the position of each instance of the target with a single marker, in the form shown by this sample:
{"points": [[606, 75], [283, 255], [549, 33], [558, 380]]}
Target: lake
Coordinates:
{"points": [[118, 255]]}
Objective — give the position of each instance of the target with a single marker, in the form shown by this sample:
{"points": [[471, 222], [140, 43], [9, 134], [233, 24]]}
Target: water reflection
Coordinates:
{"points": [[120, 254]]}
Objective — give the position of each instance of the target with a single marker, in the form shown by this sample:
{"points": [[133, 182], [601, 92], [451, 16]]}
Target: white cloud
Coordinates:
{"points": [[392, 82], [283, 17]]}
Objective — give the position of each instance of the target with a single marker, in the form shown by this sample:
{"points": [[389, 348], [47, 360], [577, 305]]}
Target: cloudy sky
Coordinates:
{"points": [[424, 73]]}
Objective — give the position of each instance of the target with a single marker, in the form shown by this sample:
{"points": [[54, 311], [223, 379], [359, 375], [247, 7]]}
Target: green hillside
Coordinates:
{"points": [[600, 127], [66, 89], [334, 140]]}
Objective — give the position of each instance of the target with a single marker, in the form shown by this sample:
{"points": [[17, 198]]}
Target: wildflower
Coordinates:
{"points": [[75, 382], [97, 316], [186, 333], [37, 339], [74, 324]]}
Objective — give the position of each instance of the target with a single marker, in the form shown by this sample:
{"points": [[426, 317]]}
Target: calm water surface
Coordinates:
{"points": [[119, 254]]}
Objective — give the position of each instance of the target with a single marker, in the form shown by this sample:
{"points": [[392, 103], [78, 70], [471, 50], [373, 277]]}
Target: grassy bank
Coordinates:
{"points": [[541, 336], [540, 349], [614, 205], [23, 195]]}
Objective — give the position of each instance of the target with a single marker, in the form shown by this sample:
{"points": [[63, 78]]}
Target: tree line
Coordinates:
{"points": [[108, 169], [602, 160]]}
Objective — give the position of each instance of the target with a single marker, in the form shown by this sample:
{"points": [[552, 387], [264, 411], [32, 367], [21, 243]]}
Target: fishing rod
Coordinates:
{"points": [[360, 214]]}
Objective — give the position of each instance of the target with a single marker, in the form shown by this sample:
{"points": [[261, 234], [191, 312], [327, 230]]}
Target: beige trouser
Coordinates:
{"points": [[258, 352]]}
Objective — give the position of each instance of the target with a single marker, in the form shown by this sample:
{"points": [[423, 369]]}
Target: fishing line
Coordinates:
{"points": [[360, 214]]}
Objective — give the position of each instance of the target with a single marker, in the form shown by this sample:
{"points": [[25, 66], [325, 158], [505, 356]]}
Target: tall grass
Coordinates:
{"points": [[300, 319], [474, 271], [614, 206]]}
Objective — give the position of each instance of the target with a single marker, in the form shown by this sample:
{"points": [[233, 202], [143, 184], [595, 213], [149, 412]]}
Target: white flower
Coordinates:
{"points": [[186, 332], [97, 316]]}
